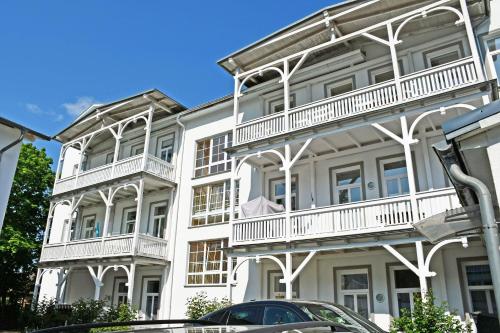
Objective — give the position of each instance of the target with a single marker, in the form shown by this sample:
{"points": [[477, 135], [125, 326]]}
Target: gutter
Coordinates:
{"points": [[490, 228], [174, 232], [13, 143]]}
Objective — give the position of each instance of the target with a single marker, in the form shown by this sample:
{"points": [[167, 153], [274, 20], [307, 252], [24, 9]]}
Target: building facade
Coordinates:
{"points": [[332, 117]]}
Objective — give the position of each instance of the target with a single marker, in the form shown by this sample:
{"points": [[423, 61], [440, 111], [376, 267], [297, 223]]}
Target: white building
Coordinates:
{"points": [[11, 138], [333, 117]]}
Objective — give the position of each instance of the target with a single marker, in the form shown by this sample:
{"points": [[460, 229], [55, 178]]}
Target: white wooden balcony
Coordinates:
{"points": [[422, 84], [113, 246], [366, 217], [125, 167]]}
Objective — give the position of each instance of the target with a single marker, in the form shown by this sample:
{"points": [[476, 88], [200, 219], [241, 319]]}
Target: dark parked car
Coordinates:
{"points": [[285, 312]]}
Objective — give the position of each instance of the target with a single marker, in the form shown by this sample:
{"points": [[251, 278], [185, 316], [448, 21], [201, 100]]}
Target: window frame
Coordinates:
{"points": [[223, 211], [124, 223], [394, 290], [333, 181], [281, 100], [144, 295], [272, 195], [223, 273], [159, 148], [134, 147], [373, 72], [466, 289], [339, 293], [152, 216], [84, 227], [441, 51], [112, 154], [116, 293], [337, 83], [228, 142], [271, 293], [383, 184]]}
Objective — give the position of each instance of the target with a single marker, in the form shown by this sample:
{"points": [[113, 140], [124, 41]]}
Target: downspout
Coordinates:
{"points": [[490, 229], [12, 144], [174, 233]]}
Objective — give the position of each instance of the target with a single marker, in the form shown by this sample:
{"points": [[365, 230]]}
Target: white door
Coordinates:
{"points": [[405, 286], [354, 289], [120, 292], [150, 298]]}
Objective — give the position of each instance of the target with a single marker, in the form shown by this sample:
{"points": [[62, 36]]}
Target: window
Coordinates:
{"points": [[354, 290], [157, 221], [277, 290], [384, 73], [207, 262], [245, 315], [211, 203], [278, 105], [109, 158], [137, 149], [129, 217], [347, 184], [443, 55], [275, 315], [120, 292], [405, 285], [339, 87], [278, 188], [151, 298], [394, 177], [493, 56], [89, 226], [166, 147], [480, 295], [210, 155]]}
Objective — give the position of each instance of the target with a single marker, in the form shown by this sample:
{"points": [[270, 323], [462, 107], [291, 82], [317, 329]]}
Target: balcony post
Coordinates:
{"points": [[471, 39], [130, 283], [59, 163], [148, 137], [236, 106], [394, 59], [288, 192], [46, 235], [232, 194], [422, 276], [286, 92], [312, 180], [407, 140], [118, 137], [109, 204], [140, 196], [288, 275]]}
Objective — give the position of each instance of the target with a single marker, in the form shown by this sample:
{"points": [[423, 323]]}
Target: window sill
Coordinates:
{"points": [[210, 175], [204, 285], [206, 225]]}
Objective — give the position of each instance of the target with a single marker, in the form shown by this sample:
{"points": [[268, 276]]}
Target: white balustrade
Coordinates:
{"points": [[417, 85], [368, 216], [124, 167], [120, 245]]}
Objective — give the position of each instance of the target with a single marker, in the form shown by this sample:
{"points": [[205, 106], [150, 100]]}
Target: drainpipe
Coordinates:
{"points": [[490, 228], [174, 232], [12, 144]]}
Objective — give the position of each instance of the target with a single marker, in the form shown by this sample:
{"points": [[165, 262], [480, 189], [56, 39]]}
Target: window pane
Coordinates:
{"points": [[392, 187], [244, 316], [405, 188], [403, 302], [274, 315], [341, 89], [382, 77], [494, 44], [445, 58], [493, 302], [395, 169], [479, 302], [279, 189], [404, 278], [153, 286], [355, 194], [348, 177], [349, 301], [362, 301], [354, 281], [343, 196], [478, 275]]}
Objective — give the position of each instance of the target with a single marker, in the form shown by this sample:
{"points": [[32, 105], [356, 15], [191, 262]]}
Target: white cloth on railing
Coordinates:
{"points": [[260, 206]]}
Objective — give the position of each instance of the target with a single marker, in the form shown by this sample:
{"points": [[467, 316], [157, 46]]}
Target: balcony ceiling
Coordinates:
{"points": [[264, 51], [102, 115]]}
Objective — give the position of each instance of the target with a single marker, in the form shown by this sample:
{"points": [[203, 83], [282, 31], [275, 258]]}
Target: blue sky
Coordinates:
{"points": [[59, 56]]}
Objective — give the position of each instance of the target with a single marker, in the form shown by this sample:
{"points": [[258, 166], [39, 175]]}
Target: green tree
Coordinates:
{"points": [[200, 305], [22, 233]]}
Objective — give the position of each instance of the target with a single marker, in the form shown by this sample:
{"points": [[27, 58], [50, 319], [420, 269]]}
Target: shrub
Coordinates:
{"points": [[428, 317], [200, 305]]}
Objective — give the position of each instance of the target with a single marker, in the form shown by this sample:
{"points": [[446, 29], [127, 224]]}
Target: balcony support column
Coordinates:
{"points": [[236, 106], [109, 205], [149, 124], [288, 192], [130, 283], [139, 199], [288, 275], [232, 196], [407, 141], [471, 39], [312, 180], [97, 278], [394, 59], [286, 92], [62, 276], [46, 235], [116, 134]]}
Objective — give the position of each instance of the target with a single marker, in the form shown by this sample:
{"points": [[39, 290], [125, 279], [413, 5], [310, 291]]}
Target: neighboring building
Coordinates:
{"points": [[11, 138], [334, 117]]}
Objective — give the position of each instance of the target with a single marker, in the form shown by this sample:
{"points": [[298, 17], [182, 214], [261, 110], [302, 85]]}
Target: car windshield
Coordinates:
{"points": [[339, 315]]}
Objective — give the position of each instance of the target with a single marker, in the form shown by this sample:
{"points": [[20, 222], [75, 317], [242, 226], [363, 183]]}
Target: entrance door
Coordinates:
{"points": [[354, 290], [120, 292], [404, 285], [277, 290], [151, 298]]}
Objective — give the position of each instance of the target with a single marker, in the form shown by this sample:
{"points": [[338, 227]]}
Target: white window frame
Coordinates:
{"points": [[117, 295], [274, 197], [223, 210], [353, 292], [381, 70], [468, 289], [137, 149], [338, 83], [384, 179], [396, 291], [205, 271], [88, 231], [106, 161], [160, 150], [146, 294], [336, 188], [273, 103], [126, 222], [153, 218], [226, 161], [429, 56]]}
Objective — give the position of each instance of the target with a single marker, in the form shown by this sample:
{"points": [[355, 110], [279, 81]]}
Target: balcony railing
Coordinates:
{"points": [[125, 167], [114, 246], [414, 86], [369, 216]]}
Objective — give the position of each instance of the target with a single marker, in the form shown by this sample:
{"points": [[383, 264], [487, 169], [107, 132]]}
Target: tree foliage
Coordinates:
{"points": [[200, 305], [427, 317], [24, 222]]}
